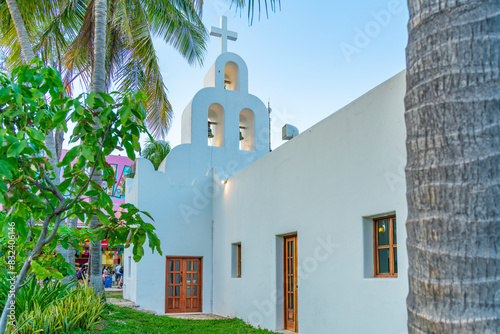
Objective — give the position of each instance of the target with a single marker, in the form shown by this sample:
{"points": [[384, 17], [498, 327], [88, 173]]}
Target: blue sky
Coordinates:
{"points": [[309, 61]]}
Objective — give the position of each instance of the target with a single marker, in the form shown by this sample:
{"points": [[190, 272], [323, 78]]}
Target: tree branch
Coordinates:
{"points": [[91, 173], [27, 280]]}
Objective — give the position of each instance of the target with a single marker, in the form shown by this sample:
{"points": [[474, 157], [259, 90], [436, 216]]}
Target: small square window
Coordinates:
{"points": [[385, 247]]}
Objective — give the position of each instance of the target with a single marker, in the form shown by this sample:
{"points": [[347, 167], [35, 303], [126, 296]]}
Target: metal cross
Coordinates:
{"points": [[223, 33]]}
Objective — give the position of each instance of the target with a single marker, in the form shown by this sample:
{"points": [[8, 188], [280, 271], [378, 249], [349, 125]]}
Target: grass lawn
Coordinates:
{"points": [[111, 295], [124, 320]]}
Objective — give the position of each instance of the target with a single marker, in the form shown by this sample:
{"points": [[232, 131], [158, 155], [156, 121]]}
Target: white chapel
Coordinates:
{"points": [[309, 238]]}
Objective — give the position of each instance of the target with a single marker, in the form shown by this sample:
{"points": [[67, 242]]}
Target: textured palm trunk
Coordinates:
{"points": [[69, 254], [453, 169], [98, 85], [22, 34]]}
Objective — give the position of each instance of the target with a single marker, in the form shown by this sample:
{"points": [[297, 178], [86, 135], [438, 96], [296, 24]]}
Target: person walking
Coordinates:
{"points": [[119, 275]]}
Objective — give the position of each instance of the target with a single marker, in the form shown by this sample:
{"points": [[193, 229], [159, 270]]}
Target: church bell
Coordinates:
{"points": [[210, 134]]}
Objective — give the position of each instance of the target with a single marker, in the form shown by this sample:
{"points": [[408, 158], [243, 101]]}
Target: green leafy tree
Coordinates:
{"points": [[156, 151], [105, 43], [30, 107]]}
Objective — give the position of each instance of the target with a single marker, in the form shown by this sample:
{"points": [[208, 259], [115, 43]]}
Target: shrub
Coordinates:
{"points": [[53, 307]]}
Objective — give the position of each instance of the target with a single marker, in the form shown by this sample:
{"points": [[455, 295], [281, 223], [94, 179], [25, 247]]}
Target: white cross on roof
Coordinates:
{"points": [[223, 33]]}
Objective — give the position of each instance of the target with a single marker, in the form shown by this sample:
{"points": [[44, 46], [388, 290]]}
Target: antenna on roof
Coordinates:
{"points": [[269, 113]]}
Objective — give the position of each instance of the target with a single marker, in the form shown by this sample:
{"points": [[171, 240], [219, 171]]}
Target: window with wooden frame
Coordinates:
{"points": [[385, 247], [239, 261], [236, 260]]}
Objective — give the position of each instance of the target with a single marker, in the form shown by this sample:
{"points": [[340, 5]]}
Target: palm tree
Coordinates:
{"points": [[156, 151], [22, 34], [453, 177], [130, 44], [62, 33], [131, 61], [98, 85]]}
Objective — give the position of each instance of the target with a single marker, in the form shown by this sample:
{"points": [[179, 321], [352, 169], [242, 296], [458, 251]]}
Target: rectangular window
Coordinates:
{"points": [[239, 260], [385, 250], [236, 260]]}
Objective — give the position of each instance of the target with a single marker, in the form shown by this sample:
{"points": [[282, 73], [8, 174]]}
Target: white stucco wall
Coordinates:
{"points": [[179, 195], [324, 185]]}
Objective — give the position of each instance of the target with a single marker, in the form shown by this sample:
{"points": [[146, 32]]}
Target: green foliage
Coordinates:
{"points": [[53, 307], [33, 103], [118, 320], [62, 33], [240, 4], [32, 294], [156, 151]]}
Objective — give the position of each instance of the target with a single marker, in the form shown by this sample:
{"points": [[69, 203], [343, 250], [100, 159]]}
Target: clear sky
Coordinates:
{"points": [[309, 61]]}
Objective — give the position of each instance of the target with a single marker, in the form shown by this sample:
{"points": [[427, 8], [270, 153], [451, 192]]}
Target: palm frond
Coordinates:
{"points": [[79, 57], [240, 4], [156, 151], [177, 22]]}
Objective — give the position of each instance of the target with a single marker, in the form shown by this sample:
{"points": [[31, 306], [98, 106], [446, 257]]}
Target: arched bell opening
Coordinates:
{"points": [[231, 76], [247, 130], [215, 125]]}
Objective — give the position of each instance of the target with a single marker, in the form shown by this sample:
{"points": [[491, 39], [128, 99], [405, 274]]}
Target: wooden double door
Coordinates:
{"points": [[291, 283], [183, 284]]}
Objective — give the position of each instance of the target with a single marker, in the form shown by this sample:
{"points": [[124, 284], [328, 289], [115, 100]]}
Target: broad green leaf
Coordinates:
{"points": [[70, 156], [16, 148], [130, 150], [60, 116], [125, 114], [38, 135], [102, 217], [138, 252], [35, 200], [6, 169], [107, 98], [90, 100], [87, 153], [59, 102]]}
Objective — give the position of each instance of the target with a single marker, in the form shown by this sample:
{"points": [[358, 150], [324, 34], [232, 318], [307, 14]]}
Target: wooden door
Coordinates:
{"points": [[183, 284], [290, 284]]}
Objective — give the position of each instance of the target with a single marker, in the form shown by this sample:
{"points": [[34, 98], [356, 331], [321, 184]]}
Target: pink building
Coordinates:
{"points": [[122, 166]]}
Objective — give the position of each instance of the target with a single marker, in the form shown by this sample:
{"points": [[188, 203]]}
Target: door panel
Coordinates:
{"points": [[290, 284], [183, 285]]}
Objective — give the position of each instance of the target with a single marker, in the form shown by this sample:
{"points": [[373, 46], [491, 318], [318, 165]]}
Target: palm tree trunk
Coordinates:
{"points": [[22, 34], [453, 169], [99, 71], [98, 85], [69, 254]]}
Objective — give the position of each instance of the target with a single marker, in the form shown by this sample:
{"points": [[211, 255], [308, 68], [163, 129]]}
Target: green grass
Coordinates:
{"points": [[124, 320], [111, 295]]}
